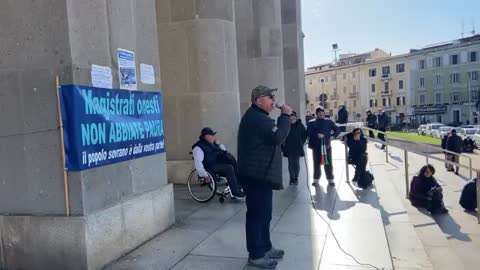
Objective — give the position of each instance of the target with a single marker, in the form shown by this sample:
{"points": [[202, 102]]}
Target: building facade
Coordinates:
{"points": [[445, 82]]}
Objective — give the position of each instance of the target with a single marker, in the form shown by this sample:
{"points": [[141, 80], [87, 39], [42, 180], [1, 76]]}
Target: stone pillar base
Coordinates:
{"points": [[85, 242]]}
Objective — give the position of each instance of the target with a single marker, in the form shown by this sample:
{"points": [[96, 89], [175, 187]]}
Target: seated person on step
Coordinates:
{"points": [[357, 155], [468, 199], [210, 156], [425, 191]]}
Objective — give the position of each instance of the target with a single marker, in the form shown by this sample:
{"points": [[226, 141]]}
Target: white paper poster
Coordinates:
{"points": [[101, 77], [147, 74], [127, 75]]}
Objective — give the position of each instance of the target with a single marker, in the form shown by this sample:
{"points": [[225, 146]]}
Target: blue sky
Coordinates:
{"points": [[395, 26]]}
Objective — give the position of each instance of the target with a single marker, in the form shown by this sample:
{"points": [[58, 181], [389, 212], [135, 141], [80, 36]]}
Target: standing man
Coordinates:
{"points": [[319, 132], [342, 118], [371, 123], [260, 169], [382, 125], [454, 144]]}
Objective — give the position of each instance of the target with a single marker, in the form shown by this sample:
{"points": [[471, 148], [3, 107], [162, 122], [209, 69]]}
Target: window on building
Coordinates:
{"points": [[422, 99], [404, 101], [472, 56], [387, 87], [438, 97], [437, 61], [400, 68], [373, 103], [354, 103], [455, 78], [473, 75], [344, 89], [354, 74], [456, 97], [386, 70], [384, 102], [454, 59], [421, 64], [474, 95], [422, 82], [344, 76], [438, 79], [400, 84], [398, 101], [373, 88], [372, 72]]}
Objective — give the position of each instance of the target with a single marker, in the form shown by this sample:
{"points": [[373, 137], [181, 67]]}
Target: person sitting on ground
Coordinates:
{"points": [[425, 191], [468, 199], [210, 156], [454, 144], [357, 155]]}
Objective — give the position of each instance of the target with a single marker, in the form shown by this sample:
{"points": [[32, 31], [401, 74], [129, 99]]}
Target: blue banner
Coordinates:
{"points": [[105, 126]]}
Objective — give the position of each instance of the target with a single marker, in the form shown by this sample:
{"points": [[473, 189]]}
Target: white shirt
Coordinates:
{"points": [[198, 157]]}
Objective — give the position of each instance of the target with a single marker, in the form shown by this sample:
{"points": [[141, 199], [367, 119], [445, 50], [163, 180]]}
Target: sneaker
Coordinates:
{"points": [[263, 263], [331, 182], [275, 253], [238, 195]]}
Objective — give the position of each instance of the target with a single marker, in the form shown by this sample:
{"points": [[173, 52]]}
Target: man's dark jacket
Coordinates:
{"points": [[468, 199], [293, 145], [454, 143], [342, 116], [383, 121], [371, 121], [211, 153], [324, 126], [259, 153]]}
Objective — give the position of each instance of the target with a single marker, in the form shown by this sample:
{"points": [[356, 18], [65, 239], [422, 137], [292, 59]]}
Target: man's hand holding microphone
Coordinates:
{"points": [[285, 109]]}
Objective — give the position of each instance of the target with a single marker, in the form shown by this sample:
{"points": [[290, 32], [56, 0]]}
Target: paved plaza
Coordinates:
{"points": [[377, 226]]}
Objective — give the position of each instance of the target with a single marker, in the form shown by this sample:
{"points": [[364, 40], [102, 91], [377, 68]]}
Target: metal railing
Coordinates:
{"points": [[426, 154]]}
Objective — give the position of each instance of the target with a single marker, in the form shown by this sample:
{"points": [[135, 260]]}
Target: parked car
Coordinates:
{"points": [[421, 129], [431, 127], [476, 138], [467, 132], [442, 131]]}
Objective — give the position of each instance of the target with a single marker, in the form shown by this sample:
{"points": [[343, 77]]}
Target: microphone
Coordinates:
{"points": [[278, 105]]}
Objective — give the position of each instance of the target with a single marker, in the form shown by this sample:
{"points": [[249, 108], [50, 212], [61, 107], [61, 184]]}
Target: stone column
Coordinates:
{"points": [[259, 47], [293, 61], [113, 208], [200, 76]]}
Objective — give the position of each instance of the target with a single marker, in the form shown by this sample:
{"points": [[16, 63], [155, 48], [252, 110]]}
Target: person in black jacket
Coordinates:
{"points": [[319, 132], [425, 191], [371, 123], [444, 146], [260, 169], [468, 199], [357, 155], [342, 118], [454, 144], [293, 147], [383, 122]]}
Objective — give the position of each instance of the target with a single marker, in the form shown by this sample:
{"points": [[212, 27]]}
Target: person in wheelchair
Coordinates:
{"points": [[357, 155], [210, 156]]}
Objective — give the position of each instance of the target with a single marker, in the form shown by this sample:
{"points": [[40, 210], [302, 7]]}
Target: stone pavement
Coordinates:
{"points": [[377, 226]]}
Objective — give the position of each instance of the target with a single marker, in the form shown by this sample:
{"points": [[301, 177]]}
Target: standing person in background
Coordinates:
{"points": [[293, 147], [260, 170], [342, 118], [454, 144], [444, 146], [371, 123], [382, 125], [319, 132]]}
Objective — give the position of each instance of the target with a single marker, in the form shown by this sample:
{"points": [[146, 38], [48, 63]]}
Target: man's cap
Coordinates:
{"points": [[319, 109], [261, 91], [207, 131]]}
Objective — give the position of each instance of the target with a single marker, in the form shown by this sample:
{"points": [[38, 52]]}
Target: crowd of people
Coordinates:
{"points": [[258, 172]]}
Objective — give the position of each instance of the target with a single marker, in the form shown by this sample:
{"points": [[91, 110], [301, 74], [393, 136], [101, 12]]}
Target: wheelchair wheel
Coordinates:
{"points": [[201, 189]]}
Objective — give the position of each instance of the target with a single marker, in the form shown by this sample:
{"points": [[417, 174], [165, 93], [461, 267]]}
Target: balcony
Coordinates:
{"points": [[386, 77], [353, 95], [388, 108], [386, 93]]}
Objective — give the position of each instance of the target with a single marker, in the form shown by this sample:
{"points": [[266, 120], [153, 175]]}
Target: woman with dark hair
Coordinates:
{"points": [[292, 148], [357, 155], [425, 191]]}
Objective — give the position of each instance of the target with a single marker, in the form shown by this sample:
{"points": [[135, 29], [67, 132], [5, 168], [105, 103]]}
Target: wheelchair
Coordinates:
{"points": [[203, 189]]}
